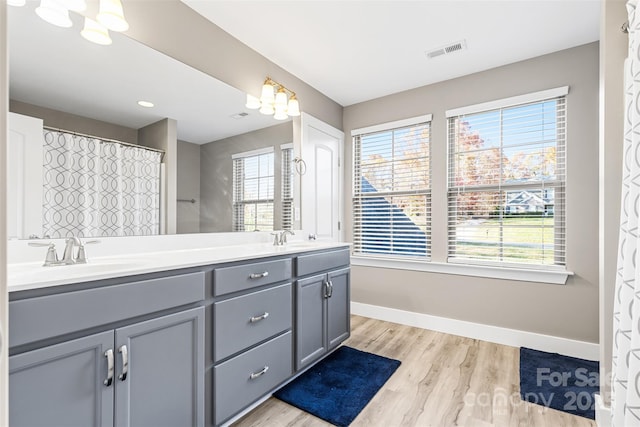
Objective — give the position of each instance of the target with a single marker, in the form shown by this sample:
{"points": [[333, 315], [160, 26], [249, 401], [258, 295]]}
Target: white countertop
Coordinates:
{"points": [[32, 275]]}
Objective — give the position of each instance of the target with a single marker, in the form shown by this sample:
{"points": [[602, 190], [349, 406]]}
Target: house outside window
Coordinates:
{"points": [[253, 190], [392, 193], [506, 183]]}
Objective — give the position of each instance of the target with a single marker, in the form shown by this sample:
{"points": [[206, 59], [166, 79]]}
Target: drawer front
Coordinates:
{"points": [[246, 320], [316, 262], [38, 318], [238, 381], [247, 276]]}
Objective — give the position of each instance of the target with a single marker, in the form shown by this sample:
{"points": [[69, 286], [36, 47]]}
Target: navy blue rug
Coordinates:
{"points": [[340, 386], [559, 382]]}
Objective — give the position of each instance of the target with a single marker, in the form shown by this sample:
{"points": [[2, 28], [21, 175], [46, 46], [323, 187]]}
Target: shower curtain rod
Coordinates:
{"points": [[104, 139]]}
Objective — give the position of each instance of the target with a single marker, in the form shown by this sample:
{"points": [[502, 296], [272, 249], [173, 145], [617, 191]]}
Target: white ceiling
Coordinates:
{"points": [[56, 68], [353, 51]]}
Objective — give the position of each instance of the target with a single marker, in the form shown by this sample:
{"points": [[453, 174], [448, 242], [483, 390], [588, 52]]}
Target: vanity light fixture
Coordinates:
{"points": [[276, 100], [54, 13], [95, 32], [111, 15], [146, 104]]}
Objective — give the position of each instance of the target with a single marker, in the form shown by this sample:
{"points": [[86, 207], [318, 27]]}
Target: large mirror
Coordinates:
{"points": [[212, 144]]}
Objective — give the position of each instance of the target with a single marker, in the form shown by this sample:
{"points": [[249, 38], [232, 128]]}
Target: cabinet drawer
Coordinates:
{"points": [[34, 319], [238, 381], [316, 262], [243, 321], [247, 276]]}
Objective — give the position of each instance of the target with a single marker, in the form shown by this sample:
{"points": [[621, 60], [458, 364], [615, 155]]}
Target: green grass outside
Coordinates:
{"points": [[482, 239]]}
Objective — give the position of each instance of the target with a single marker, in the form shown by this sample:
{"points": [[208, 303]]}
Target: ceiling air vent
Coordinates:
{"points": [[239, 115], [446, 50]]}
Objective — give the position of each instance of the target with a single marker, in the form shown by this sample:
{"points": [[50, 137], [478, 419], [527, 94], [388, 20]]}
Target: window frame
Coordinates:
{"points": [[559, 183], [237, 225], [357, 196]]}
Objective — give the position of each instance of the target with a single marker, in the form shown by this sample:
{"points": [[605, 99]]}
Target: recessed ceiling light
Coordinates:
{"points": [[145, 104]]}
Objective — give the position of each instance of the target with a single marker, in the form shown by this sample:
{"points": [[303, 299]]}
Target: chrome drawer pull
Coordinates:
{"points": [[330, 294], [259, 275], [255, 319], [125, 363], [109, 355], [255, 375]]}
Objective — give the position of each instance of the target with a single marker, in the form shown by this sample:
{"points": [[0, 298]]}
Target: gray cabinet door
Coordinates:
{"points": [[164, 385], [338, 308], [62, 385], [310, 320]]}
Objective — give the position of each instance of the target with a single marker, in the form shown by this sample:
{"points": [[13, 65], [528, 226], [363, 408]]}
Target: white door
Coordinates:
{"points": [[24, 177], [322, 183]]}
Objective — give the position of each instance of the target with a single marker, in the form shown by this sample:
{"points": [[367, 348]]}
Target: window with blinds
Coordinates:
{"points": [[506, 185], [287, 188], [392, 190], [253, 184]]}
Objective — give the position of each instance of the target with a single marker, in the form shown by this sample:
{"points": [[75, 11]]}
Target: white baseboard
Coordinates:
{"points": [[495, 334], [603, 412]]}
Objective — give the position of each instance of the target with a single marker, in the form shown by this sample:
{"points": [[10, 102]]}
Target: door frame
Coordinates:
{"points": [[309, 122]]}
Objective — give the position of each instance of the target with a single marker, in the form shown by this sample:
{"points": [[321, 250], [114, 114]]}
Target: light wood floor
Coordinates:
{"points": [[444, 380]]}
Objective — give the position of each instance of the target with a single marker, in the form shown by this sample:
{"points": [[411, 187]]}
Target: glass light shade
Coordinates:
{"points": [[281, 113], [52, 12], [267, 96], [293, 109], [96, 33], [17, 3], [267, 109], [111, 15], [253, 103], [75, 5], [281, 99]]}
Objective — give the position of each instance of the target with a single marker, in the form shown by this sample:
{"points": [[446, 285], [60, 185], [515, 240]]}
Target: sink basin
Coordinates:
{"points": [[30, 272]]}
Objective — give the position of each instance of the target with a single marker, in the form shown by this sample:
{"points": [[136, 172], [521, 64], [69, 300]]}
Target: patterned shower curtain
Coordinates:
{"points": [[97, 188], [625, 398]]}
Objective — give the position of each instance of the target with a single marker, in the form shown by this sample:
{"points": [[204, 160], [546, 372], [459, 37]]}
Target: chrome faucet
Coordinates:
{"points": [[280, 237], [67, 256]]}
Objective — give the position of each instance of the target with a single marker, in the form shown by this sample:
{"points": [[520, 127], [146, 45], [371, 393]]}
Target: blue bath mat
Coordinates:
{"points": [[559, 382], [340, 386]]}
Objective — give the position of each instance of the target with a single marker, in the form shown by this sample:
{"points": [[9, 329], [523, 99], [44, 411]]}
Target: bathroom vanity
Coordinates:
{"points": [[174, 344]]}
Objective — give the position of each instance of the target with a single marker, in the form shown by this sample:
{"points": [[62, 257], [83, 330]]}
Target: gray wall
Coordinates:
{"points": [[61, 120], [569, 311], [199, 43], [613, 51], [188, 214], [216, 173]]}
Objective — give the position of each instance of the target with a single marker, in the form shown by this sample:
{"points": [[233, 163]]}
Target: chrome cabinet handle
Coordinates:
{"points": [[255, 375], [330, 294], [125, 362], [259, 275], [255, 319], [109, 355]]}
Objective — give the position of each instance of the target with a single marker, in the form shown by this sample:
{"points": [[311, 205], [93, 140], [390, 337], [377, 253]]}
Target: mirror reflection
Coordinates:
{"points": [[76, 126]]}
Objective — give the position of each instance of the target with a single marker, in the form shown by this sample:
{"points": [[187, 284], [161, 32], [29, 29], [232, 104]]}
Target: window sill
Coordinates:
{"points": [[556, 277]]}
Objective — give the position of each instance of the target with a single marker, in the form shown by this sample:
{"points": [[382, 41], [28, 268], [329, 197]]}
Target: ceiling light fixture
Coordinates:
{"points": [[276, 100], [95, 32], [146, 104]]}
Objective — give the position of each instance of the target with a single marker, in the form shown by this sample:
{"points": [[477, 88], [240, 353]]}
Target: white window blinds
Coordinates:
{"points": [[506, 185], [287, 188], [253, 184], [392, 190]]}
